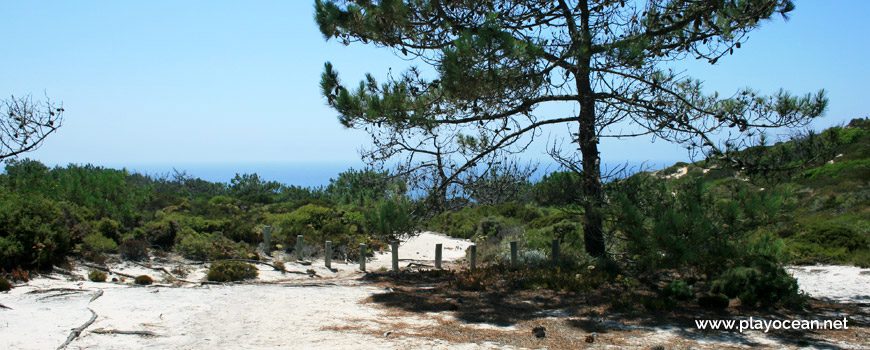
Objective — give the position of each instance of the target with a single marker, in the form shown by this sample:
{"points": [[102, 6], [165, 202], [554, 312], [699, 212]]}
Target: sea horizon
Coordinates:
{"points": [[302, 173]]}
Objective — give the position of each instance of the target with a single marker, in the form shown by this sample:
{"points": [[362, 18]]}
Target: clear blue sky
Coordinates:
{"points": [[182, 82]]}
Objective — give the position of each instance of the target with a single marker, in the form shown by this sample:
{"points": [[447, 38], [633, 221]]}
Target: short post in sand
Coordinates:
{"points": [[513, 253], [362, 257], [438, 256], [472, 249], [394, 246], [267, 240], [555, 254], [327, 257], [299, 248]]}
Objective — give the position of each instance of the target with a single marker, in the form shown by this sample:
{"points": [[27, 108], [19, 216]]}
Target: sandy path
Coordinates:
{"points": [[295, 311]]}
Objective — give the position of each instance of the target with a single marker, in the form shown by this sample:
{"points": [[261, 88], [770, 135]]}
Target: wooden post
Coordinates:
{"points": [[362, 257], [327, 259], [299, 248], [513, 253], [267, 240], [394, 246], [555, 254], [438, 256], [473, 252]]}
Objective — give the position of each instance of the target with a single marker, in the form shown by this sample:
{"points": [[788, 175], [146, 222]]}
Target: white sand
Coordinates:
{"points": [[297, 311], [845, 284], [293, 311]]}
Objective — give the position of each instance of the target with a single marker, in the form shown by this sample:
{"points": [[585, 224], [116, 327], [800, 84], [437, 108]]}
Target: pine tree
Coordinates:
{"points": [[498, 62]]}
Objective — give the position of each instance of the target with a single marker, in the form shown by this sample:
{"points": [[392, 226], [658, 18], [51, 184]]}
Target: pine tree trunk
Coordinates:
{"points": [[593, 189]]}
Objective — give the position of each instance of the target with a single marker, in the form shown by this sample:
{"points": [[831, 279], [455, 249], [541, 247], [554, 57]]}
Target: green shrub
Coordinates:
{"points": [[162, 233], [389, 219], [213, 246], [678, 290], [760, 283], [715, 301], [143, 280], [829, 243], [32, 232], [98, 243], [134, 250], [5, 285], [228, 271], [279, 266], [97, 276], [109, 229], [490, 226]]}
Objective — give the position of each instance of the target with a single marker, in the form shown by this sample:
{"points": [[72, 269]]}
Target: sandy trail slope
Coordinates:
{"points": [[289, 310]]}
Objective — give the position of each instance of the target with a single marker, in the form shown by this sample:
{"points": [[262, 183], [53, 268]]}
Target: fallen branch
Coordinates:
{"points": [[60, 295], [116, 331], [42, 291], [98, 294], [78, 330], [158, 269], [5, 307], [106, 269]]}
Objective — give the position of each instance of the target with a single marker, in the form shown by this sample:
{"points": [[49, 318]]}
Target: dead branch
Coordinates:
{"points": [[116, 331], [78, 330], [98, 294], [42, 291]]}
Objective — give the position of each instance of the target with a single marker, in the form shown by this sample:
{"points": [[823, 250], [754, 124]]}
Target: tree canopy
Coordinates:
{"points": [[497, 63]]}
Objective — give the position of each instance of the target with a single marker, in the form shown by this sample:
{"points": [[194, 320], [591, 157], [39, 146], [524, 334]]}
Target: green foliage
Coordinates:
{"points": [[96, 242], [250, 188], [363, 187], [714, 301], [32, 232], [561, 188], [760, 283], [279, 265], [830, 243], [109, 228], [389, 219], [97, 276], [857, 169], [134, 250], [230, 271], [5, 286], [681, 224], [143, 280], [678, 290]]}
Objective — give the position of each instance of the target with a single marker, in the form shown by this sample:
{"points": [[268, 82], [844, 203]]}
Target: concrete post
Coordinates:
{"points": [[555, 254], [513, 253], [438, 256], [473, 253], [362, 257], [267, 240], [394, 246], [327, 258], [299, 248]]}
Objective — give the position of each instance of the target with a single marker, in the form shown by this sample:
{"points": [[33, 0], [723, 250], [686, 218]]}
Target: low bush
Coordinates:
{"points": [[97, 242], [760, 283], [714, 301], [4, 285], [143, 280], [33, 232], [678, 290], [134, 250], [229, 271], [279, 266], [97, 276]]}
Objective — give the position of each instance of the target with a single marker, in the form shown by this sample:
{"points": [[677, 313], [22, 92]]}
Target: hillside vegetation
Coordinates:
{"points": [[720, 228]]}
